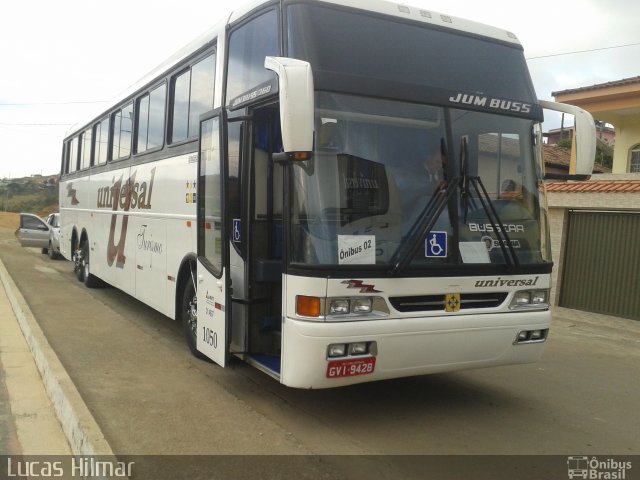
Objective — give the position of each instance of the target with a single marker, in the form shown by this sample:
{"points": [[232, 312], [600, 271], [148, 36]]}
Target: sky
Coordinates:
{"points": [[63, 60]]}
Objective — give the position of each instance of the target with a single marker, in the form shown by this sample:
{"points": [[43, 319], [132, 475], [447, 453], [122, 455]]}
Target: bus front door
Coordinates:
{"points": [[212, 244]]}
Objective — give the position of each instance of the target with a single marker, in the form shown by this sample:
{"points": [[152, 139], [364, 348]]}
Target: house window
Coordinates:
{"points": [[634, 162]]}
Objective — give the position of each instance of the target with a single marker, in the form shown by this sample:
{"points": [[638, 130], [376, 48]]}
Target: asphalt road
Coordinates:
{"points": [[151, 397]]}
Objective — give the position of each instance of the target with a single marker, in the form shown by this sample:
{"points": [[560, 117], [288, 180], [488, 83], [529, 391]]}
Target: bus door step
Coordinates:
{"points": [[268, 362]]}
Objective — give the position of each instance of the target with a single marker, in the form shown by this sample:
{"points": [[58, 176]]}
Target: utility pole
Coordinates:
{"points": [[6, 194]]}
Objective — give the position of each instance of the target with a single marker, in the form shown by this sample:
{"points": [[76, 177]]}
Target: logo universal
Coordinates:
{"points": [[124, 196]]}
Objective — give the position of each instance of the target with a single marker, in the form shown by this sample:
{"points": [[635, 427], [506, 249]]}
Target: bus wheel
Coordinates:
{"points": [[83, 272], [78, 264], [189, 317]]}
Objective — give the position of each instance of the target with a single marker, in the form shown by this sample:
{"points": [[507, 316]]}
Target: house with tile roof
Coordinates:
{"points": [[557, 160], [595, 224], [616, 103], [606, 135]]}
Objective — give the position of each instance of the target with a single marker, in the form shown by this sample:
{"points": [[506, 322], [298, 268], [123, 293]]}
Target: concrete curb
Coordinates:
{"points": [[83, 433]]}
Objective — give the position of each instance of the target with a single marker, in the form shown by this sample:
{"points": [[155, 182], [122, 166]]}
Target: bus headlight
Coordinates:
{"points": [[530, 299], [340, 309], [539, 297], [353, 306], [521, 299], [362, 305], [339, 306]]}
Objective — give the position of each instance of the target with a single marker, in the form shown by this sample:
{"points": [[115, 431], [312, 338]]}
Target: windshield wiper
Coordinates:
{"points": [[426, 220], [504, 241], [468, 181], [439, 200]]}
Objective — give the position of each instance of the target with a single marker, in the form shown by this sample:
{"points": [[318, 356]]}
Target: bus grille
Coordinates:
{"points": [[434, 303]]}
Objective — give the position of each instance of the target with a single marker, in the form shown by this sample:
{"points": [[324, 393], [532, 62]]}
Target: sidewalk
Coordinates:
{"points": [[29, 422], [44, 412]]}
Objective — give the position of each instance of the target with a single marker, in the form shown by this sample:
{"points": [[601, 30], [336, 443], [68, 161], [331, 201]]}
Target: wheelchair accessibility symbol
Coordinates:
{"points": [[237, 230], [436, 245]]}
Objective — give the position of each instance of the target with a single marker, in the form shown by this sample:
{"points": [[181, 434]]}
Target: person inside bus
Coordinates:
{"points": [[435, 162], [508, 186], [423, 184]]}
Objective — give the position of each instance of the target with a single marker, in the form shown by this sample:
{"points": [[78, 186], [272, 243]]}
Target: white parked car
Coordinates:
{"points": [[39, 233]]}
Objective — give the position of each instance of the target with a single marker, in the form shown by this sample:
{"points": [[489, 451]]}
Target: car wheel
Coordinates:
{"points": [[52, 254]]}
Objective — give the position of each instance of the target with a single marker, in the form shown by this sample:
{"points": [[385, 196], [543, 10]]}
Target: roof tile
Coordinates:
{"points": [[596, 186]]}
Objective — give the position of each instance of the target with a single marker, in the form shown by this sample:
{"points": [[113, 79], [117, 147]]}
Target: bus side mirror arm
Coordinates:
{"points": [[585, 137], [295, 83]]}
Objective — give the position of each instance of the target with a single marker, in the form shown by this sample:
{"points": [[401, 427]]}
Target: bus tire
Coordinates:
{"points": [[84, 272], [188, 316]]}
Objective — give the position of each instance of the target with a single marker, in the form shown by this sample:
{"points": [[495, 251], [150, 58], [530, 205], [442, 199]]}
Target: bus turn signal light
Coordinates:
{"points": [[307, 306], [300, 156]]}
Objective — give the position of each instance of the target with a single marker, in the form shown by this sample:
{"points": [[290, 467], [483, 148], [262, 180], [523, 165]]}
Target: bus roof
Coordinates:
{"points": [[416, 14], [383, 7]]}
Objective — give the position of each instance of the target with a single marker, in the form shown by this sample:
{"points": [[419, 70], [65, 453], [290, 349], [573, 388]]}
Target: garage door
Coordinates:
{"points": [[602, 263]]}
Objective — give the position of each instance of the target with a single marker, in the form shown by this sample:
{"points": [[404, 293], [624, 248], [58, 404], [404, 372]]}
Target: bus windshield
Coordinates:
{"points": [[393, 182]]}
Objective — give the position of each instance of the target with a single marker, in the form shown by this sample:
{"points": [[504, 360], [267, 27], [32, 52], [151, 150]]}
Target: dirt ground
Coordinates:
{"points": [[9, 220]]}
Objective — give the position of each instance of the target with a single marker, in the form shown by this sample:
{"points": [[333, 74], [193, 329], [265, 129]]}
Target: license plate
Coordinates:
{"points": [[351, 367]]}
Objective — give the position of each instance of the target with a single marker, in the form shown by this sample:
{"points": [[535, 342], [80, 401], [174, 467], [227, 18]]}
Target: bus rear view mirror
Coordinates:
{"points": [[583, 147], [295, 80]]}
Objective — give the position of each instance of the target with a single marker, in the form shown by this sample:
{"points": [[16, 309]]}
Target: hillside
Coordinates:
{"points": [[35, 194]]}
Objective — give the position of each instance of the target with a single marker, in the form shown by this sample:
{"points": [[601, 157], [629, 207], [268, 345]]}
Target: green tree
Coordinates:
{"points": [[603, 159], [566, 144]]}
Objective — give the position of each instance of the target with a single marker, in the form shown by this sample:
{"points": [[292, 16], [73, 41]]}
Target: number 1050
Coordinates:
{"points": [[210, 337]]}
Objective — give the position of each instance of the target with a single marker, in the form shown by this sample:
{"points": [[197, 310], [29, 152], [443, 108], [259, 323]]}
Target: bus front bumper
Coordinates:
{"points": [[407, 346]]}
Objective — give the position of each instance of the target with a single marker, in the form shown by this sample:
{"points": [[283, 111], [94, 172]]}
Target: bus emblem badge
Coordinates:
{"points": [[452, 302]]}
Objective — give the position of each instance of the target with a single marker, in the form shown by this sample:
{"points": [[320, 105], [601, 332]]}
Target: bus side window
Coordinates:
{"points": [[101, 141], [192, 96], [122, 129], [150, 126], [87, 143], [73, 155]]}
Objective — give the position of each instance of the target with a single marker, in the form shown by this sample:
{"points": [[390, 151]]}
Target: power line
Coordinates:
{"points": [[35, 124], [32, 104], [583, 51]]}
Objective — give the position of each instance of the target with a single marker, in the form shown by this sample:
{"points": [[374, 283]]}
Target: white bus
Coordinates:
{"points": [[333, 191]]}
